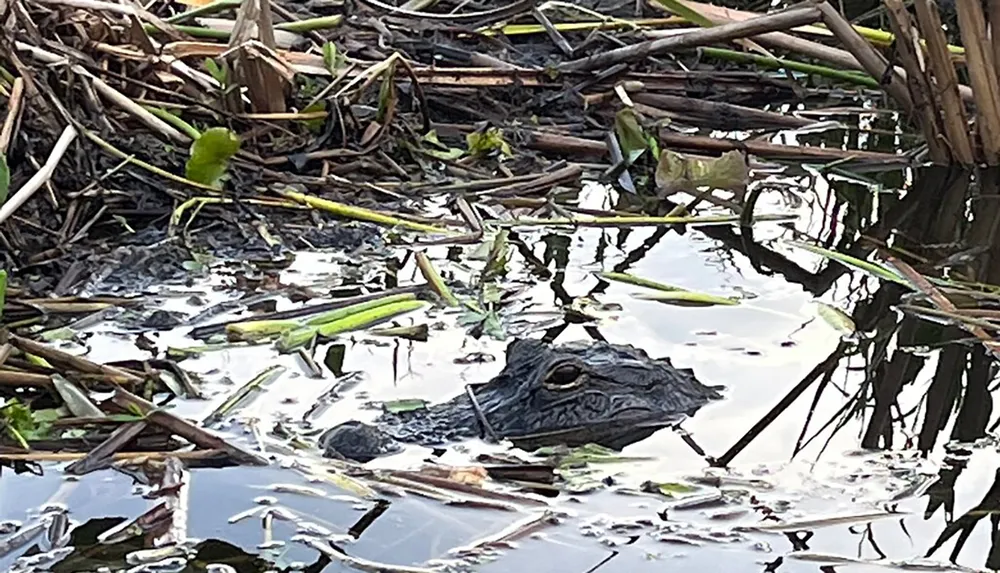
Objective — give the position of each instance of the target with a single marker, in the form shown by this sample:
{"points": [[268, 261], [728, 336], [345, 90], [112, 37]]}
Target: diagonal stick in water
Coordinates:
{"points": [[185, 429], [781, 406]]}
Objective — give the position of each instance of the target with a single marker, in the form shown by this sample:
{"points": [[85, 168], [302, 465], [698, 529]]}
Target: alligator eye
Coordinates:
{"points": [[564, 377]]}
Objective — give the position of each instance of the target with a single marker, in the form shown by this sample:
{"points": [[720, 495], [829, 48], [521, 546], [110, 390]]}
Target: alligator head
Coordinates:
{"points": [[596, 392], [572, 394]]}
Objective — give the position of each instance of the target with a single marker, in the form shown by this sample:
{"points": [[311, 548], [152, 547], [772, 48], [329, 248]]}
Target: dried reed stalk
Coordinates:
{"points": [[982, 75], [874, 63], [911, 57], [786, 19], [945, 81]]}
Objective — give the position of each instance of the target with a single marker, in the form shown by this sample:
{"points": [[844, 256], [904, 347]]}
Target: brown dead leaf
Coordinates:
{"points": [[470, 475]]}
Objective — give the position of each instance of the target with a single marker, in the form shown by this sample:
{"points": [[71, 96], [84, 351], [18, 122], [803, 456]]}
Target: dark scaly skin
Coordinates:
{"points": [[572, 394]]}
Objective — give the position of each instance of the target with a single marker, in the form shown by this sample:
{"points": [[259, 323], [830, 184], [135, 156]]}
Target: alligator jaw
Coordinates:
{"points": [[614, 434]]}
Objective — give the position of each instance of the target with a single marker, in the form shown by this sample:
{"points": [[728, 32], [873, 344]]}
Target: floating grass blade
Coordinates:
{"points": [[434, 279], [688, 298], [259, 329], [871, 268], [265, 377], [817, 523], [641, 221], [76, 401], [340, 313], [404, 405], [636, 281], [294, 339], [668, 294], [793, 65], [367, 317], [182, 352], [359, 213], [836, 318]]}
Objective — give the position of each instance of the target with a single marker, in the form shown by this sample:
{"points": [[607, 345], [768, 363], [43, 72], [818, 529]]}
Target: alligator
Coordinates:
{"points": [[569, 394]]}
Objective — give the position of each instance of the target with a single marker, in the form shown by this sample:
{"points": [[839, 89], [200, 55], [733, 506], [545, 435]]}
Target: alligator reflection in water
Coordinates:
{"points": [[571, 394]]}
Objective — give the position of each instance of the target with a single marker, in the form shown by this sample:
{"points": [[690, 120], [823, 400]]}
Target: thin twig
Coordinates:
{"points": [[41, 177]]}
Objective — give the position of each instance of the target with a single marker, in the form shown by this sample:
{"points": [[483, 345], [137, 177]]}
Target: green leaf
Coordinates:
{"points": [[586, 454], [355, 321], [220, 73], [4, 179], [630, 135], [21, 423], [330, 56], [17, 415], [437, 149], [871, 268], [637, 281], [404, 405], [488, 141], [252, 330], [57, 334], [315, 125], [355, 309], [493, 326], [489, 321], [210, 155], [332, 59], [136, 411], [688, 298], [836, 318], [667, 293], [48, 415]]}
